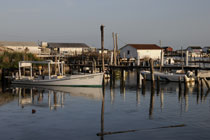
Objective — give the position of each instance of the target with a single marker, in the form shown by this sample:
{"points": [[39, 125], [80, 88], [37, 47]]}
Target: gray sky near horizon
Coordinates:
{"points": [[175, 22]]}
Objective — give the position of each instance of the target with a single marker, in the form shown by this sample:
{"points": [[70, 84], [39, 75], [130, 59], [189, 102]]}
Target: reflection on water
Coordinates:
{"points": [[81, 113], [52, 96]]}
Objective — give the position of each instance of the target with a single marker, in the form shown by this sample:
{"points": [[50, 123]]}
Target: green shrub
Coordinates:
{"points": [[11, 59]]}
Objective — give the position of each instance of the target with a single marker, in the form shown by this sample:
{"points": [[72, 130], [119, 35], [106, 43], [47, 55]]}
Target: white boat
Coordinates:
{"points": [[173, 77], [60, 79]]}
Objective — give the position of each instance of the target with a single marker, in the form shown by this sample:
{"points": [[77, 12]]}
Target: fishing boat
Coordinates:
{"points": [[167, 76], [59, 79]]}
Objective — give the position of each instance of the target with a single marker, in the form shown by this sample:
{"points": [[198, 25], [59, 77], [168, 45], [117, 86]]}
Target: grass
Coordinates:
{"points": [[11, 59]]}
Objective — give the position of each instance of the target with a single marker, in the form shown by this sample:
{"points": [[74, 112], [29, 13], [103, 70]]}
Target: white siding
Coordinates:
{"points": [[150, 53], [154, 54], [71, 51], [31, 49], [132, 52]]}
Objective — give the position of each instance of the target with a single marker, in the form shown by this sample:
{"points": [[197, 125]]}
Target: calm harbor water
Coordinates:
{"points": [[75, 113]]}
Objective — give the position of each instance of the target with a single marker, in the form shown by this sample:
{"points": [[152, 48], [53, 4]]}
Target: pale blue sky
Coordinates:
{"points": [[176, 22]]}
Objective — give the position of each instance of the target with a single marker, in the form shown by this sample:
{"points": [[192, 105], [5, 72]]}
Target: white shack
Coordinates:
{"points": [[140, 51]]}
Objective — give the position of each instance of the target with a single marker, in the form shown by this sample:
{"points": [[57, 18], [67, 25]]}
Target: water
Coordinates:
{"points": [[76, 113]]}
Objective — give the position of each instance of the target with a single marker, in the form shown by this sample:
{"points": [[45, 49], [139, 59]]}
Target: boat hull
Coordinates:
{"points": [[168, 76], [86, 80]]}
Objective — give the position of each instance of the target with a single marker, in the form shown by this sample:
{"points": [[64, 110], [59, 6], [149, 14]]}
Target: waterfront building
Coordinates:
{"points": [[194, 51], [68, 48], [141, 51], [31, 47]]}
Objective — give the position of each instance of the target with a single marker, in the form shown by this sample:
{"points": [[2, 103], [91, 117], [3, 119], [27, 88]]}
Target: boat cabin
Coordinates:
{"points": [[29, 64]]}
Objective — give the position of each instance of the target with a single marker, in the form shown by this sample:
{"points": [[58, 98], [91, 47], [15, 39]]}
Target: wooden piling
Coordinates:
{"points": [[180, 88], [102, 46], [158, 85], [122, 78], [152, 73], [111, 77], [202, 86], [198, 89], [117, 48], [143, 84], [114, 49], [139, 82]]}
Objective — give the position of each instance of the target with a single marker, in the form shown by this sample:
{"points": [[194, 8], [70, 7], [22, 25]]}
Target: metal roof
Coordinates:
{"points": [[16, 43], [195, 47], [67, 45], [144, 46]]}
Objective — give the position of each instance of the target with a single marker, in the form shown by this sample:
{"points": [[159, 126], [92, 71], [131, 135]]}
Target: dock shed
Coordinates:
{"points": [[141, 51]]}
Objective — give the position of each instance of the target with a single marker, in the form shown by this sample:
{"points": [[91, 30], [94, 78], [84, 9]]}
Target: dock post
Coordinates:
{"points": [[102, 46], [122, 78], [139, 79], [111, 77], [152, 73], [158, 85], [198, 88], [180, 88], [186, 59], [202, 85], [114, 77], [161, 60], [143, 84]]}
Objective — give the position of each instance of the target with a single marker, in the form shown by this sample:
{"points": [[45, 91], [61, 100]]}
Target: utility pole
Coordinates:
{"points": [[102, 46], [160, 43]]}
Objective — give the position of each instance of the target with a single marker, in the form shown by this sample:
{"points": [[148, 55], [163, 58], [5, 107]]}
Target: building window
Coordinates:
{"points": [[128, 52]]}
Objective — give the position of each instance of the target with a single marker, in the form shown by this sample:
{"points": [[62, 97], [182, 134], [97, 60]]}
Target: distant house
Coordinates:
{"points": [[167, 49], [194, 49], [206, 49], [68, 48], [140, 51], [31, 47]]}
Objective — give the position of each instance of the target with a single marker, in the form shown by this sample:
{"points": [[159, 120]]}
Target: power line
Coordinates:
{"points": [[122, 41]]}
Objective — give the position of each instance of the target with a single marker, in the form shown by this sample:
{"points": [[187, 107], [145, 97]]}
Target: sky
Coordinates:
{"points": [[177, 23]]}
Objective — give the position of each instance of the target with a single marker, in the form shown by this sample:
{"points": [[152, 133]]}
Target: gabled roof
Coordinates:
{"points": [[165, 47], [144, 46], [195, 47], [16, 43], [67, 45]]}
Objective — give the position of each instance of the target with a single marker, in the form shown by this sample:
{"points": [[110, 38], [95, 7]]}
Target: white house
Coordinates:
{"points": [[194, 49], [140, 51], [31, 47]]}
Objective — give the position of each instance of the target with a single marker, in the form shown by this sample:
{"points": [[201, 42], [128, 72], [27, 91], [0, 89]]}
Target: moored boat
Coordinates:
{"points": [[60, 79], [166, 76]]}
